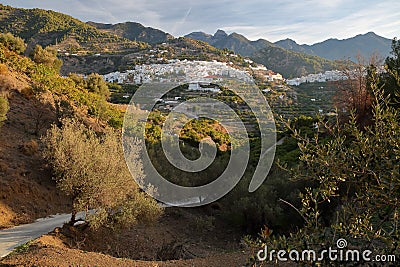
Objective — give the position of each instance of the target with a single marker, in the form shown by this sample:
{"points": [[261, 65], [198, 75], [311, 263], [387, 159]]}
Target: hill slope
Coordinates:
{"points": [[134, 31], [47, 27], [293, 64], [103, 48], [288, 63], [334, 49]]}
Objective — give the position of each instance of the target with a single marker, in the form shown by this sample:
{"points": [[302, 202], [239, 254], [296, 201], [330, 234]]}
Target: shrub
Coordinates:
{"points": [[4, 107], [13, 43], [30, 148], [3, 69], [203, 224], [96, 84], [7, 83], [47, 57]]}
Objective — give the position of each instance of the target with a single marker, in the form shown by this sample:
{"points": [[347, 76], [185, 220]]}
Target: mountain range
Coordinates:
{"points": [[50, 28], [292, 59], [235, 42], [364, 45], [288, 63]]}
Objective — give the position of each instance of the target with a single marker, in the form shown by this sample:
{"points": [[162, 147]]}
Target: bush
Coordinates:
{"points": [[92, 171], [13, 43], [96, 84], [47, 57], [4, 107], [3, 69], [93, 83], [30, 148], [7, 83], [203, 224]]}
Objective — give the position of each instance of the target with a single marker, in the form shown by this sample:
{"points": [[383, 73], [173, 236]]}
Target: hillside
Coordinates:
{"points": [[288, 63], [134, 31], [180, 48], [293, 64], [47, 27], [334, 49], [27, 191], [103, 48]]}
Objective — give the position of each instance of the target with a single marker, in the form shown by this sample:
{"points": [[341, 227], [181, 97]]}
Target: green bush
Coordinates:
{"points": [[4, 107], [96, 84], [13, 43], [47, 57]]}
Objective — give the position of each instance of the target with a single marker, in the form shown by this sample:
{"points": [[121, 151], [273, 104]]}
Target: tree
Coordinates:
{"points": [[12, 42], [391, 79], [353, 180], [78, 79], [96, 84], [92, 171], [354, 92], [47, 57]]}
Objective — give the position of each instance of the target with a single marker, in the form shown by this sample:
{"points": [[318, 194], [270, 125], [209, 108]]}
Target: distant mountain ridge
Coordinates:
{"points": [[235, 42], [363, 44], [134, 31], [288, 63]]}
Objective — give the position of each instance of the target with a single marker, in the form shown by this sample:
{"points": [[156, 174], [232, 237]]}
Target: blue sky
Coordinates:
{"points": [[308, 21]]}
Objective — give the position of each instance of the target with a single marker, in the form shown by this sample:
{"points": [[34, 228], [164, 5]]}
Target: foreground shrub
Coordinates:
{"points": [[353, 184]]}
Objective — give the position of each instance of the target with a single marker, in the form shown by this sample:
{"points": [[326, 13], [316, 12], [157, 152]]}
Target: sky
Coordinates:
{"points": [[308, 21]]}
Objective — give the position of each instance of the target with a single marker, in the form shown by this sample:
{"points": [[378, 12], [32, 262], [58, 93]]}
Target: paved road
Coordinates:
{"points": [[14, 237]]}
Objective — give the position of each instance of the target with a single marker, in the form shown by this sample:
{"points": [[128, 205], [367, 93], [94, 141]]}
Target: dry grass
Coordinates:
{"points": [[30, 148], [6, 215]]}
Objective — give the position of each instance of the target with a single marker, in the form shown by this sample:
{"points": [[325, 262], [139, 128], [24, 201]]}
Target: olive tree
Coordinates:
{"points": [[92, 171], [391, 78], [353, 179]]}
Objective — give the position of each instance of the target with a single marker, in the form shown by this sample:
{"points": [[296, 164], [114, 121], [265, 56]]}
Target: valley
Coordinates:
{"points": [[87, 110]]}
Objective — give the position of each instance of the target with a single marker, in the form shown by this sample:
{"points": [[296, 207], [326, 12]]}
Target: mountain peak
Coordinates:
{"points": [[334, 49], [288, 41], [220, 34]]}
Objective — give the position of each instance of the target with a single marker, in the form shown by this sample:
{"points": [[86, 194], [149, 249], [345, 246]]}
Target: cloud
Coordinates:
{"points": [[306, 21]]}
